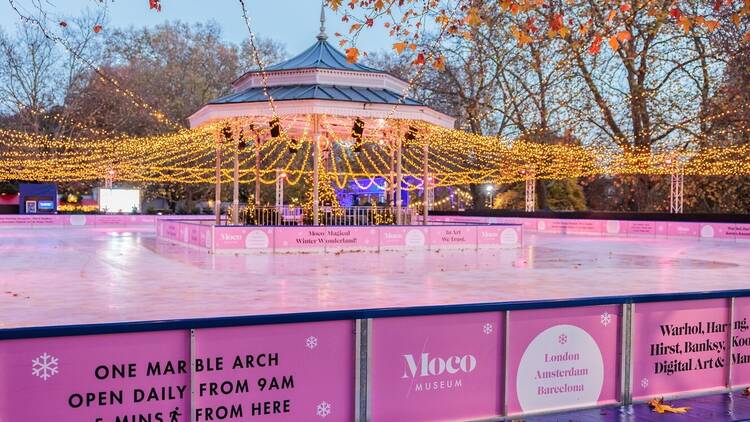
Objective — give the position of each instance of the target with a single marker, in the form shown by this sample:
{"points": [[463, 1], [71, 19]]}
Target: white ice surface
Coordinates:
{"points": [[81, 276]]}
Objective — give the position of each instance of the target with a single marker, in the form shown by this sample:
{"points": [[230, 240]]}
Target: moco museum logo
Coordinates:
{"points": [[422, 369]]}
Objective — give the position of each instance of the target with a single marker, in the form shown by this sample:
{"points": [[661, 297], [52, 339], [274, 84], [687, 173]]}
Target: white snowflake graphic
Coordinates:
{"points": [[45, 366], [323, 409], [311, 342], [487, 329], [644, 383], [606, 319], [562, 339]]}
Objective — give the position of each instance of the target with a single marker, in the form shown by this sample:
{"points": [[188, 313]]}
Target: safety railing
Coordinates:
{"points": [[327, 216], [497, 361]]}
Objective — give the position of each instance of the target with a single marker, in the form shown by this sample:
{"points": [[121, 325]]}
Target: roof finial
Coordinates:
{"points": [[322, 36]]}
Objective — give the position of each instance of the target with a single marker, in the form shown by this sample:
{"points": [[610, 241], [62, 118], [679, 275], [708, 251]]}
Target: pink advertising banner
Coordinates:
{"points": [[741, 342], [437, 368], [458, 237], [563, 358], [392, 237], [718, 231], [102, 378], [682, 229], [29, 220], [294, 372], [680, 346], [508, 236], [739, 231], [591, 227], [641, 228], [250, 238], [111, 220], [199, 235], [325, 238]]}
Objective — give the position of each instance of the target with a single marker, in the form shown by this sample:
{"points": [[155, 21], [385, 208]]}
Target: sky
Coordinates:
{"points": [[295, 23]]}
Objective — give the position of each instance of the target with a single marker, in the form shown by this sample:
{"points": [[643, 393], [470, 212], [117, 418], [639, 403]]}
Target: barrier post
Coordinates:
{"points": [[729, 343], [626, 355], [362, 367]]}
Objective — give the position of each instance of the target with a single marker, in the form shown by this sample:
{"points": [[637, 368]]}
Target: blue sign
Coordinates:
{"points": [[45, 205]]}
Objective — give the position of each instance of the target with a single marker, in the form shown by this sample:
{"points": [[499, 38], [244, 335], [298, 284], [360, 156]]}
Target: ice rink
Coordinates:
{"points": [[81, 276]]}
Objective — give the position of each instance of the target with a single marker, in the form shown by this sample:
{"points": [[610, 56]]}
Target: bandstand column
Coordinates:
{"points": [[399, 179], [257, 173], [390, 187], [316, 169], [426, 184], [236, 189], [217, 196]]}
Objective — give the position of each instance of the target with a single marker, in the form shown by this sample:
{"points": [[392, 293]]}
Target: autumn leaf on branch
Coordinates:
{"points": [[63, 24], [419, 60], [335, 4], [399, 47], [97, 28], [659, 406], [439, 63], [154, 4], [352, 54]]}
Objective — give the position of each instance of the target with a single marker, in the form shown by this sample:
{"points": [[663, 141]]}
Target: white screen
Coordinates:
{"points": [[119, 200]]}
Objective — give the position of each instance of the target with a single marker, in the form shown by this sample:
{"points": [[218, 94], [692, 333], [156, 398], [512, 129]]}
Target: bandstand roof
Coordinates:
{"points": [[317, 92], [319, 80], [321, 55]]}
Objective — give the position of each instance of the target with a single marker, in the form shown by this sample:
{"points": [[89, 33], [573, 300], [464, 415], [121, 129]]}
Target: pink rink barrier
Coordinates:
{"points": [[241, 239], [74, 220], [456, 362], [665, 229]]}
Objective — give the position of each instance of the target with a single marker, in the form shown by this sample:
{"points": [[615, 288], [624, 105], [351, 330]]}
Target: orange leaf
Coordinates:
{"points": [[473, 18], [399, 47], [97, 28], [439, 63], [746, 38], [711, 25], [335, 4], [614, 44], [352, 54], [659, 406], [685, 23], [623, 36]]}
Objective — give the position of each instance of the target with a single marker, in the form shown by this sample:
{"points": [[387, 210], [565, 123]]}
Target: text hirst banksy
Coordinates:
{"points": [[681, 343], [174, 395]]}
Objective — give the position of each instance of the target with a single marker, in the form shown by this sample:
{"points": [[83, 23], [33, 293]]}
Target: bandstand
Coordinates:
{"points": [[322, 106]]}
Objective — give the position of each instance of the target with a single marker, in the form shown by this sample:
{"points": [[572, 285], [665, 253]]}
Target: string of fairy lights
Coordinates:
{"points": [[455, 158]]}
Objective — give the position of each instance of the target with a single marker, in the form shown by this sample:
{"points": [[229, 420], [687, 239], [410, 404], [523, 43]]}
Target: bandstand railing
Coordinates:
{"points": [[328, 216]]}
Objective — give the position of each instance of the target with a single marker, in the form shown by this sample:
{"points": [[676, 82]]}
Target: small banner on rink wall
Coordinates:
{"points": [[101, 378], [286, 372], [563, 358], [680, 347], [442, 367]]}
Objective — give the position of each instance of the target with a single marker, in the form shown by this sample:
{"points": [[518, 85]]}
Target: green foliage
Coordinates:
{"points": [[561, 195]]}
